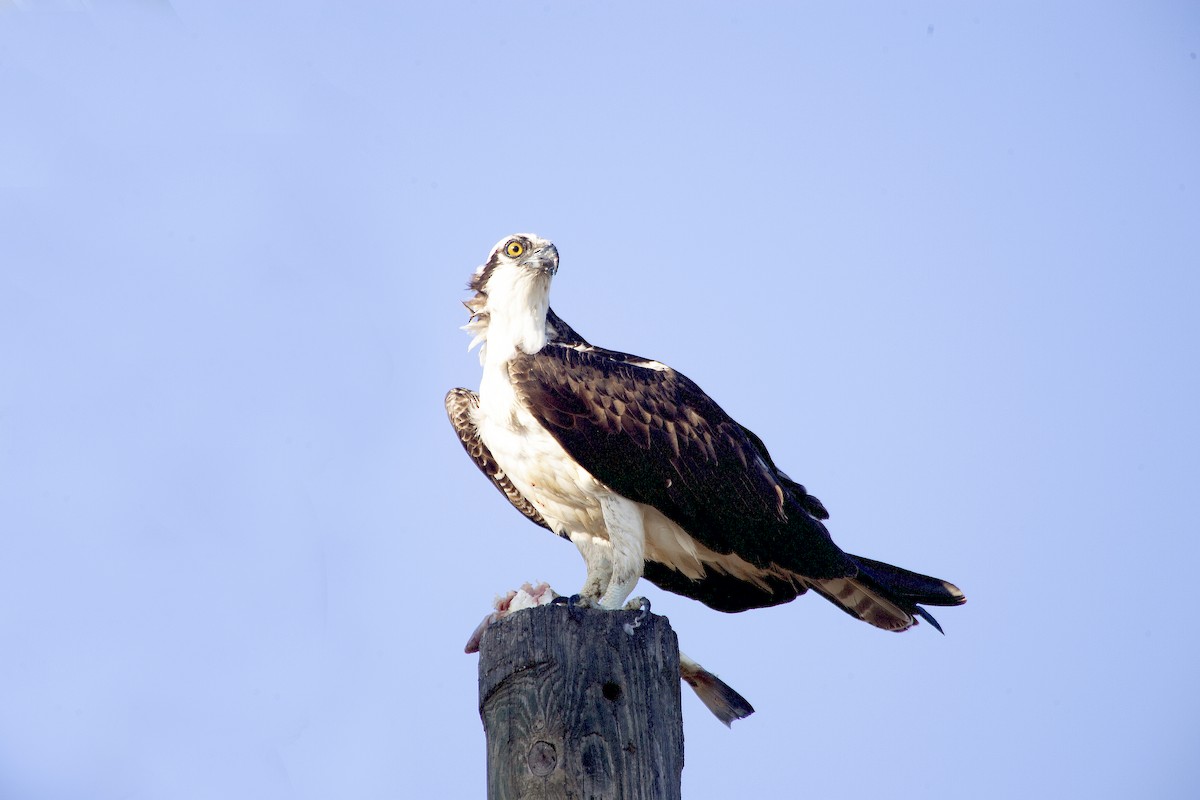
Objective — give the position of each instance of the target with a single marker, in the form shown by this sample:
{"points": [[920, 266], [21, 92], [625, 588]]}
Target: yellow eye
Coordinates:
{"points": [[514, 248]]}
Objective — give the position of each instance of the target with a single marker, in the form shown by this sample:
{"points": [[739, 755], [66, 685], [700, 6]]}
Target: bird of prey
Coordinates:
{"points": [[643, 471]]}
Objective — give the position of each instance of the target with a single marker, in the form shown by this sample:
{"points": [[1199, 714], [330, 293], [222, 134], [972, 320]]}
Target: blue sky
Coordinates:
{"points": [[942, 257]]}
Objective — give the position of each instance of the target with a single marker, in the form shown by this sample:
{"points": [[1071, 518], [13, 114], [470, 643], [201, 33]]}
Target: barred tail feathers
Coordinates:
{"points": [[887, 596]]}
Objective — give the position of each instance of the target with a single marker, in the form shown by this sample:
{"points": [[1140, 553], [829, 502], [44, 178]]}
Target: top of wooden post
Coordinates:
{"points": [[573, 705]]}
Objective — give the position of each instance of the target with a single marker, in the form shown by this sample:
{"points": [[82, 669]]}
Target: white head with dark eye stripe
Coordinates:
{"points": [[512, 295]]}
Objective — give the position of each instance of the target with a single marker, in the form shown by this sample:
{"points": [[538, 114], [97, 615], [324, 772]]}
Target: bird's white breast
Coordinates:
{"points": [[566, 494]]}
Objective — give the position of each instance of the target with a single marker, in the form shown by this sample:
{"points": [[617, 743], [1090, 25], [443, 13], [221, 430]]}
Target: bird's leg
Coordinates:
{"points": [[619, 590], [597, 555], [627, 536]]}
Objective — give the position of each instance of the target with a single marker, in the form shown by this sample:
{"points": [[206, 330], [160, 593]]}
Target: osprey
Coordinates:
{"points": [[643, 471]]}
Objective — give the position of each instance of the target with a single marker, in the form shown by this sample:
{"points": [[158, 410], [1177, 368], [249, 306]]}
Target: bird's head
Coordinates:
{"points": [[518, 258], [513, 287]]}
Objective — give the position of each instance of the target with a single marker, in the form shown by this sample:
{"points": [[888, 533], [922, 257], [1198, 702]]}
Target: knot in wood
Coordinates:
{"points": [[542, 758]]}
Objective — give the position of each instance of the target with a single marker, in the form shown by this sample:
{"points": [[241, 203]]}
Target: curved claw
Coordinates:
{"points": [[573, 603], [642, 606]]}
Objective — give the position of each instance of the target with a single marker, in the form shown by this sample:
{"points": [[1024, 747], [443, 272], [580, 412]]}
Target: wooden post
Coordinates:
{"points": [[576, 707]]}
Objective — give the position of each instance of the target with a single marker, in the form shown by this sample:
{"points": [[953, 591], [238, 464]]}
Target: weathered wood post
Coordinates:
{"points": [[574, 706]]}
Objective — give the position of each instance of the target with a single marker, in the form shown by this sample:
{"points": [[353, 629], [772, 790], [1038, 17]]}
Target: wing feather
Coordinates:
{"points": [[654, 436]]}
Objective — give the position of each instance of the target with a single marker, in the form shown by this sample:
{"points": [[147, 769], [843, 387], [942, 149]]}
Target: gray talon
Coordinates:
{"points": [[642, 606]]}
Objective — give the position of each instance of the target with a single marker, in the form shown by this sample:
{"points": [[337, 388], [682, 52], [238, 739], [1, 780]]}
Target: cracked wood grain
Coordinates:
{"points": [[575, 707]]}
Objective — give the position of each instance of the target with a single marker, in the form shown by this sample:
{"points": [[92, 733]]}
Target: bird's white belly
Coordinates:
{"points": [[566, 495]]}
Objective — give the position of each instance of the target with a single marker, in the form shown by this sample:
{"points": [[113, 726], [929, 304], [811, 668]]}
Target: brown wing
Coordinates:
{"points": [[652, 435]]}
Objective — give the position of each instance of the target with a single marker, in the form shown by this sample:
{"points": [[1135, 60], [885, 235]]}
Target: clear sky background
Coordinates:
{"points": [[942, 257]]}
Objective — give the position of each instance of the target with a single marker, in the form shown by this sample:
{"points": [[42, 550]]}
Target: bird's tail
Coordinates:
{"points": [[887, 596]]}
